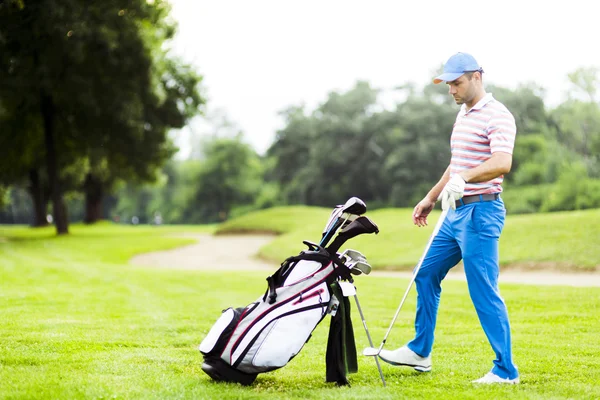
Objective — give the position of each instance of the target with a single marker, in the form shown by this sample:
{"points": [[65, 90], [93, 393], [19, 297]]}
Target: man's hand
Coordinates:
{"points": [[454, 190], [421, 211]]}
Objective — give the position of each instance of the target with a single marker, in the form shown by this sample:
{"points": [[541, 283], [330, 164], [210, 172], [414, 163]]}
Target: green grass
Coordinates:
{"points": [[102, 240], [278, 220], [78, 322], [559, 240]]}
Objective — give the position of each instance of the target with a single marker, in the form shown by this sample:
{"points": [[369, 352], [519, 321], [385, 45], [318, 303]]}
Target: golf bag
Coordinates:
{"points": [[267, 333]]}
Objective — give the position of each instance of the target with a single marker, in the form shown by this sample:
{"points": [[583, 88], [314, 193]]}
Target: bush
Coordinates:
{"points": [[574, 190], [525, 199], [565, 195], [589, 195], [531, 173]]}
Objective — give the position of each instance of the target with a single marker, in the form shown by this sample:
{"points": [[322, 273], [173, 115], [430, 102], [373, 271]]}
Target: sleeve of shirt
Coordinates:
{"points": [[502, 132]]}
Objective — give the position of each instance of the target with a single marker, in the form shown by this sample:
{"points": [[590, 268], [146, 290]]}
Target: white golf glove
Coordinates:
{"points": [[454, 190]]}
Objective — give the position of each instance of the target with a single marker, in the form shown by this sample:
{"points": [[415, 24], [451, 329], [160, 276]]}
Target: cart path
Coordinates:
{"points": [[238, 252]]}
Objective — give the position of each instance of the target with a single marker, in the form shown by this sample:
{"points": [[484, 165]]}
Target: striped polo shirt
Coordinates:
{"points": [[486, 128]]}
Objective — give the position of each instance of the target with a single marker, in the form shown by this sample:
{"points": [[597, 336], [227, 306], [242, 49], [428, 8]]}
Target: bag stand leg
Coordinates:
{"points": [[362, 317]]}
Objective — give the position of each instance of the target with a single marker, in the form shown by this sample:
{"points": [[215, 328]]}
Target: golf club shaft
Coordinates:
{"points": [[416, 271], [362, 317]]}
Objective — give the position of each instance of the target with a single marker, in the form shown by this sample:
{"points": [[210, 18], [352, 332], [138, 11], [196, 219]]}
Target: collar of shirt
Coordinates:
{"points": [[484, 100]]}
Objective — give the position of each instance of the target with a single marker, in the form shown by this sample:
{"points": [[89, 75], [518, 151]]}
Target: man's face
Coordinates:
{"points": [[463, 89]]}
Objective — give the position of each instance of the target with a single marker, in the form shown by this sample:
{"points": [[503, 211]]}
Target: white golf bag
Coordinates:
{"points": [[269, 332]]}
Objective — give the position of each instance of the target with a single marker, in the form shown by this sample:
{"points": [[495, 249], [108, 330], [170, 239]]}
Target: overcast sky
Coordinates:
{"points": [[258, 57]]}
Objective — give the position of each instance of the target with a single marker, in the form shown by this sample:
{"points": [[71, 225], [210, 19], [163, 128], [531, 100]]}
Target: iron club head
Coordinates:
{"points": [[371, 352]]}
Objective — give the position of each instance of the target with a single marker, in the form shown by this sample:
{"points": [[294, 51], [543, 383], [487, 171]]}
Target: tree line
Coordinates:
{"points": [[88, 97], [351, 145]]}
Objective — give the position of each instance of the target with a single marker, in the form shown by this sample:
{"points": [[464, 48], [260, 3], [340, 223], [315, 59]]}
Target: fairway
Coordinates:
{"points": [[78, 321]]}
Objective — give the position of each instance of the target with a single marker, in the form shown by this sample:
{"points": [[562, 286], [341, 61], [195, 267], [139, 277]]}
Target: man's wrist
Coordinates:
{"points": [[432, 199]]}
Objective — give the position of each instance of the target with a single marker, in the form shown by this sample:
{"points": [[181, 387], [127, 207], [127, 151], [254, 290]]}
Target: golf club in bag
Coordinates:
{"points": [[341, 216], [372, 351], [267, 333]]}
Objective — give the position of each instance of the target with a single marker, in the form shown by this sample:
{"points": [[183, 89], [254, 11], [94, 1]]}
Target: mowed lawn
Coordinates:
{"points": [[77, 321]]}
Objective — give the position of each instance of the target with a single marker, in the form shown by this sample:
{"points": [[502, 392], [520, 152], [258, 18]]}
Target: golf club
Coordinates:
{"points": [[336, 224], [342, 215], [357, 227], [356, 262], [360, 267], [362, 317], [372, 351], [353, 255]]}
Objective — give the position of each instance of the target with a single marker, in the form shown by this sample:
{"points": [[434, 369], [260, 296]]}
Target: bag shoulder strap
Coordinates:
{"points": [[314, 253], [276, 280]]}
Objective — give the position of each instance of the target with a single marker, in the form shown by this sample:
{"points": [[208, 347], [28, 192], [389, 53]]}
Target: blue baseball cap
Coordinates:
{"points": [[456, 66]]}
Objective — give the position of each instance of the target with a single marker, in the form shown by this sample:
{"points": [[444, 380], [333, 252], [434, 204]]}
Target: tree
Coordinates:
{"points": [[587, 81], [4, 196], [136, 152], [290, 151], [577, 120], [421, 146], [94, 77], [229, 176], [325, 157], [22, 160], [578, 126], [526, 103]]}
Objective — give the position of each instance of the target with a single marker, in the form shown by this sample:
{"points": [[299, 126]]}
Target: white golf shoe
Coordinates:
{"points": [[490, 377], [407, 357]]}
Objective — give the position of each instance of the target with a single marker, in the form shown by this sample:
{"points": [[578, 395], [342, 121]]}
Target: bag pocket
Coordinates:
{"points": [[220, 333], [285, 338]]}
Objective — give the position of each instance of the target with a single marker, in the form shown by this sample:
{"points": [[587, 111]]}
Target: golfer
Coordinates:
{"points": [[482, 144]]}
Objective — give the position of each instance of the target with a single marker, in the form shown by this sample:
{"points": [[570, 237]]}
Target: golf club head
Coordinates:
{"points": [[359, 268], [359, 226], [353, 255], [355, 206], [342, 216], [356, 262], [371, 352]]}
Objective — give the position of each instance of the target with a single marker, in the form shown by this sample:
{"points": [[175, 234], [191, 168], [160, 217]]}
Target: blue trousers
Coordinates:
{"points": [[470, 233]]}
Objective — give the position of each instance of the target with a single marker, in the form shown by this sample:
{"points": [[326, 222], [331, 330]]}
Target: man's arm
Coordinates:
{"points": [[435, 191], [422, 210], [498, 164]]}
